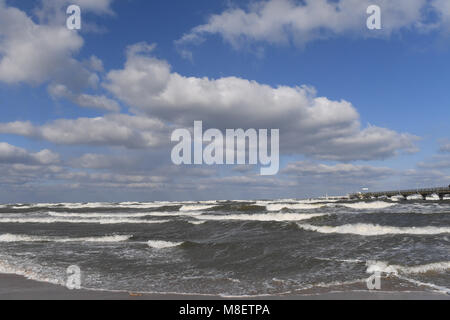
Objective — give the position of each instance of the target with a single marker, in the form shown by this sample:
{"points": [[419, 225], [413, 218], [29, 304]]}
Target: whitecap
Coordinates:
{"points": [[157, 244], [375, 230], [191, 207], [261, 217], [298, 206], [26, 238], [368, 205], [385, 267], [86, 221]]}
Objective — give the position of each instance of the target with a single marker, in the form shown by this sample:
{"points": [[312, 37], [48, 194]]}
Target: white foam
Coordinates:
{"points": [[144, 205], [432, 267], [318, 201], [261, 217], [121, 215], [162, 244], [192, 207], [97, 215], [29, 273], [397, 198], [25, 238], [375, 230], [433, 197], [266, 202], [72, 205], [415, 197], [321, 202], [93, 205], [197, 222], [285, 200], [85, 205], [298, 206], [368, 205], [400, 272], [381, 266], [87, 221]]}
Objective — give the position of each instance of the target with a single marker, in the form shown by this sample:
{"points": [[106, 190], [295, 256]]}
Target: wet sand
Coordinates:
{"points": [[14, 287]]}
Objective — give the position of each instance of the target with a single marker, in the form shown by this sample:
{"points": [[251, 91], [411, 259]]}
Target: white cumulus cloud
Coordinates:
{"points": [[110, 130], [298, 22], [15, 155], [309, 124]]}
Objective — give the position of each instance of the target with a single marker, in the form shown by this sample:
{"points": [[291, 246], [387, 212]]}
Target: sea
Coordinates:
{"points": [[232, 248]]}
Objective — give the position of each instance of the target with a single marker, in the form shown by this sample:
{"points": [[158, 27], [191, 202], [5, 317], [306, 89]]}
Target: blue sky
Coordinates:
{"points": [[355, 107]]}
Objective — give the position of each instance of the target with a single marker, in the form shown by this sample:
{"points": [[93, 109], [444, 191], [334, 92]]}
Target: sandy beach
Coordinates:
{"points": [[14, 287]]}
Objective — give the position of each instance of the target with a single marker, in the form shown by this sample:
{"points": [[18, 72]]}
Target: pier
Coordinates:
{"points": [[441, 192]]}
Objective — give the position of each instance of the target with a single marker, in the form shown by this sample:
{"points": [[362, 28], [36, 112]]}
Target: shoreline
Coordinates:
{"points": [[15, 287]]}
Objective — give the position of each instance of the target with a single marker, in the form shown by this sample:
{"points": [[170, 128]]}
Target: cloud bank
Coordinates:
{"points": [[309, 124], [284, 22]]}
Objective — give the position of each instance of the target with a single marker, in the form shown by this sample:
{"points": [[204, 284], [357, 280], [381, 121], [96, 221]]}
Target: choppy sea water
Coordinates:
{"points": [[231, 248]]}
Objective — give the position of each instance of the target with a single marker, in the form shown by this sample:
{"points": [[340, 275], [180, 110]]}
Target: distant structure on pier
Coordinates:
{"points": [[440, 192]]}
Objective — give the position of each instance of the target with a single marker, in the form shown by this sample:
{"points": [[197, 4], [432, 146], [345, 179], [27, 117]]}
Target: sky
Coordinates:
{"points": [[87, 115]]}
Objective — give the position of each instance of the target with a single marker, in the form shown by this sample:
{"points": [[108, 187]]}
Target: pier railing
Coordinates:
{"points": [[441, 192]]}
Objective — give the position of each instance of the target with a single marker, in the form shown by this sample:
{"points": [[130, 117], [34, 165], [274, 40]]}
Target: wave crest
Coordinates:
{"points": [[262, 217], [375, 230], [86, 221], [25, 238], [191, 207], [381, 266], [157, 244], [368, 205], [297, 206]]}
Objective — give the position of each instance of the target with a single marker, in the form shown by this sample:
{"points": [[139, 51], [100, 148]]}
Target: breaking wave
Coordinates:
{"points": [[98, 215], [163, 244], [381, 266], [191, 207], [297, 206], [96, 205], [87, 221], [375, 230], [368, 205], [25, 238], [405, 272], [197, 222], [261, 217], [121, 215]]}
